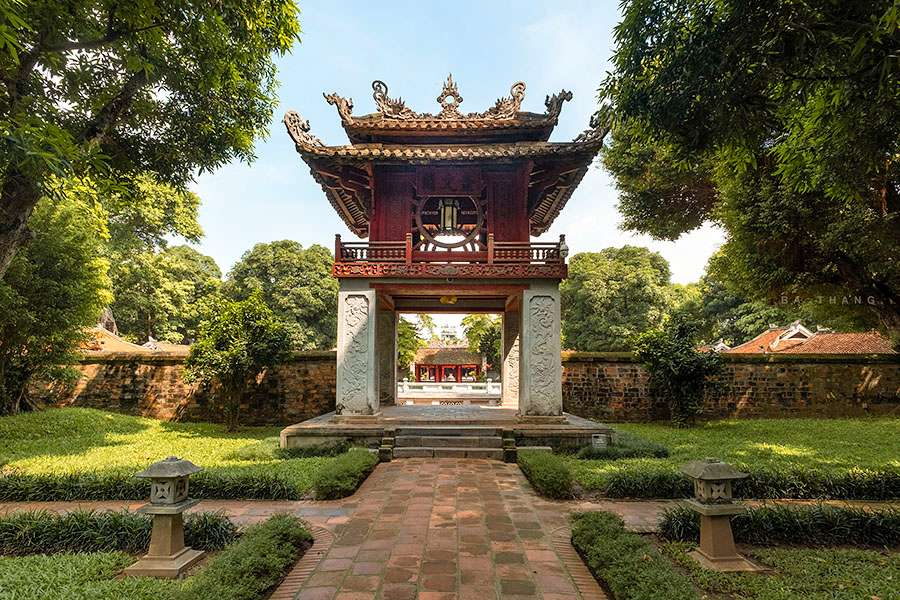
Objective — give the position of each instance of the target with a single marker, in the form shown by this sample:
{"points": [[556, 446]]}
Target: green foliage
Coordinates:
{"points": [[250, 569], [811, 574], [627, 445], [408, 343], [790, 143], [483, 336], [246, 570], [816, 525], [236, 343], [80, 453], [42, 532], [628, 564], [548, 473], [78, 575], [54, 288], [612, 295], [678, 371], [296, 284], [162, 295], [427, 323], [344, 475]]}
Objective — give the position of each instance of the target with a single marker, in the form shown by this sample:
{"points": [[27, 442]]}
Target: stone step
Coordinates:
{"points": [[495, 453], [448, 441], [455, 431]]}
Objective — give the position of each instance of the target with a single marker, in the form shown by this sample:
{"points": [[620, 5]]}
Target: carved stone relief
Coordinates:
{"points": [[355, 361], [543, 358]]}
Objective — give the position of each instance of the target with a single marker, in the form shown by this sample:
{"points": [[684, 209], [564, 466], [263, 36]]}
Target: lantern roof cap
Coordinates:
{"points": [[169, 468], [711, 469]]}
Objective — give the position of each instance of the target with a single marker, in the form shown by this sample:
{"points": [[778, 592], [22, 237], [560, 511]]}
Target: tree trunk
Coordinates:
{"points": [[18, 198]]}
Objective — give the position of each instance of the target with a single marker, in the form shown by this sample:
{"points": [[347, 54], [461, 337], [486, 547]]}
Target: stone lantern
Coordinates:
{"points": [[167, 556], [714, 501]]}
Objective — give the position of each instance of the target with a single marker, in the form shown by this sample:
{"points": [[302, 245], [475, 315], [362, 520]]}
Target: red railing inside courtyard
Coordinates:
{"points": [[549, 253]]}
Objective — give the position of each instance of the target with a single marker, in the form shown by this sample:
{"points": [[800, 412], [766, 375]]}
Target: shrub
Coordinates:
{"points": [[548, 473], [222, 485], [42, 532], [628, 445], [648, 480], [627, 563], [817, 525], [237, 342], [332, 449], [251, 568], [344, 475], [678, 371]]}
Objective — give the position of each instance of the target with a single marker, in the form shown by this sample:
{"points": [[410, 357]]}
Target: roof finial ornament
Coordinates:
{"points": [[554, 103], [507, 107], [344, 105], [600, 126], [298, 129], [450, 100], [387, 106]]}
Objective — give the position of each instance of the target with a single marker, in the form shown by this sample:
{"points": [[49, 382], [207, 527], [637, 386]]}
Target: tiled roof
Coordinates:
{"points": [[448, 355], [870, 342], [448, 152], [822, 342]]}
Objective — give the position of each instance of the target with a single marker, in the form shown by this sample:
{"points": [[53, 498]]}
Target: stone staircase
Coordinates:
{"points": [[466, 441]]}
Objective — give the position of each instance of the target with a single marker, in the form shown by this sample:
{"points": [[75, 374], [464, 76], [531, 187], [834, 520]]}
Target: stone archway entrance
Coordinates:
{"points": [[367, 338]]}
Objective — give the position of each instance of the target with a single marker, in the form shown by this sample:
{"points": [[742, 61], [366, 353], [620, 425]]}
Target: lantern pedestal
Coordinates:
{"points": [[717, 551], [167, 556]]}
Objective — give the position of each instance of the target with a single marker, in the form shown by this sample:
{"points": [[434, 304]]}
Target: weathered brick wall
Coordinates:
{"points": [[613, 387], [603, 386], [153, 386]]}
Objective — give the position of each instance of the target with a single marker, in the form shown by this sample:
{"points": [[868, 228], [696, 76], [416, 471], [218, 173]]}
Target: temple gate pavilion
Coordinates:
{"points": [[448, 203]]}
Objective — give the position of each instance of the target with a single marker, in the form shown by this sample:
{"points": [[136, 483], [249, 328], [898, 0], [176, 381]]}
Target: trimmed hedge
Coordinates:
{"points": [[253, 567], [816, 525], [663, 481], [629, 565], [43, 532], [345, 474], [548, 473], [628, 445], [124, 486]]}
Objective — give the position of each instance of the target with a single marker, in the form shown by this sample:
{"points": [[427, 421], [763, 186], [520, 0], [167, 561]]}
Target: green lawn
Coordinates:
{"points": [[811, 574], [828, 445], [80, 440]]}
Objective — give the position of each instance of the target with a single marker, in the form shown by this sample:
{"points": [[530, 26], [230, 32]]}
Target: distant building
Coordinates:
{"points": [[447, 362], [797, 339], [102, 341]]}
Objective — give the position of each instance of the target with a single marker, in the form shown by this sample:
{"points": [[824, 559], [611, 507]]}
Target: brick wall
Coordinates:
{"points": [[613, 387], [153, 386], [604, 386]]}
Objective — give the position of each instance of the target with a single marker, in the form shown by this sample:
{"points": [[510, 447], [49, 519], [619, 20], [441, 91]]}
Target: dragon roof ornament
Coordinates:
{"points": [[298, 129], [504, 109]]}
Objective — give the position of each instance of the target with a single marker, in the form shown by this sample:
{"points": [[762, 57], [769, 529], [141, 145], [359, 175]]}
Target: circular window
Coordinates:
{"points": [[449, 221]]}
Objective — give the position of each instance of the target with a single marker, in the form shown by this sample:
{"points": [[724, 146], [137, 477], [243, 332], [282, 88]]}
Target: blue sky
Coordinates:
{"points": [[412, 46]]}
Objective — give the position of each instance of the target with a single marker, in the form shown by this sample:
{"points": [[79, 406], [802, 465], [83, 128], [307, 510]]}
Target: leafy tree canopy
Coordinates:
{"points": [[55, 288], [112, 88], [162, 294], [483, 333], [778, 120], [408, 342], [296, 283], [613, 295]]}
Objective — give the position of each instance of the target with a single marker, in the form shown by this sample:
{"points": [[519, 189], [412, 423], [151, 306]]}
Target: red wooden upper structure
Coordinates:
{"points": [[448, 194]]}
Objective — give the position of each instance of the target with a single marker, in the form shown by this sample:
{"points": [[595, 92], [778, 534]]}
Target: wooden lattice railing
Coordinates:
{"points": [[496, 252]]}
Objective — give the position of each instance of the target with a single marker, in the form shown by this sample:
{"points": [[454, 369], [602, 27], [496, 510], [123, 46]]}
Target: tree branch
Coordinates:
{"points": [[112, 111], [99, 42]]}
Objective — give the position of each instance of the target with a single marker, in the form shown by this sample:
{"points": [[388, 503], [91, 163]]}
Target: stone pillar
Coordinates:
{"points": [[540, 366], [386, 354], [509, 369], [357, 383]]}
